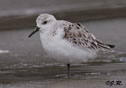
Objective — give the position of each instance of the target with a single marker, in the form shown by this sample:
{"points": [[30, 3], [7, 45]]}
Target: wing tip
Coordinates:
{"points": [[111, 46]]}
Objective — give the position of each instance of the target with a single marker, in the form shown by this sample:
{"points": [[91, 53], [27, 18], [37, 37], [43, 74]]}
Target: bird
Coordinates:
{"points": [[67, 42]]}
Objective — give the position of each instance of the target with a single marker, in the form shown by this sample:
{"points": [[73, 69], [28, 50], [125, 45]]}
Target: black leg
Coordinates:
{"points": [[68, 70]]}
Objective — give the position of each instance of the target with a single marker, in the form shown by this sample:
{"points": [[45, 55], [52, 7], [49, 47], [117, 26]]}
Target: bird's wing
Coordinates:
{"points": [[78, 35]]}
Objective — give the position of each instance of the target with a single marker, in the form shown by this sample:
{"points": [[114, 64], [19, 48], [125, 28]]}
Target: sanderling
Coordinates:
{"points": [[67, 42]]}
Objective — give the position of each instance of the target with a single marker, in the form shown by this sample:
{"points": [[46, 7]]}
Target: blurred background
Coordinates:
{"points": [[23, 63]]}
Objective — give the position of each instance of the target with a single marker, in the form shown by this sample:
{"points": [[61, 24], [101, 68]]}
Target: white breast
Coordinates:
{"points": [[63, 51]]}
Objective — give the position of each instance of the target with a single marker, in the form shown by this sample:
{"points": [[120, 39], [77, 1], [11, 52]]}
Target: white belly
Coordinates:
{"points": [[63, 51]]}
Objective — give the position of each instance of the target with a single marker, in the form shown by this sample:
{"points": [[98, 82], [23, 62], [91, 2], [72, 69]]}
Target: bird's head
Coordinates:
{"points": [[44, 22]]}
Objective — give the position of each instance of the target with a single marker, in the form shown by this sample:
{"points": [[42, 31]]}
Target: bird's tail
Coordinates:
{"points": [[111, 46], [104, 47]]}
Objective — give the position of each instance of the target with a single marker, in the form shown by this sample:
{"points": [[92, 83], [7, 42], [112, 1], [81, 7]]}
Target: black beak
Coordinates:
{"points": [[34, 31]]}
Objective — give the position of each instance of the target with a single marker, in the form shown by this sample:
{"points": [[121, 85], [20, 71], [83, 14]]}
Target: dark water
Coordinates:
{"points": [[23, 63], [15, 7]]}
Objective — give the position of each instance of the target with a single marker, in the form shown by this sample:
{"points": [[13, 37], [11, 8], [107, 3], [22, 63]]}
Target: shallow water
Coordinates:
{"points": [[25, 65]]}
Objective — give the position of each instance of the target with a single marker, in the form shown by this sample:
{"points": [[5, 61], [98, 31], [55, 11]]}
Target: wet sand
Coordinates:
{"points": [[95, 76], [25, 65]]}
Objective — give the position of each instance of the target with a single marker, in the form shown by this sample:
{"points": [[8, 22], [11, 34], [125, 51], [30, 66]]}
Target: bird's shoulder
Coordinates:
{"points": [[77, 34], [71, 26]]}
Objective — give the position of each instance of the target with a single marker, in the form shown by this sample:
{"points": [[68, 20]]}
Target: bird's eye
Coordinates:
{"points": [[44, 22]]}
